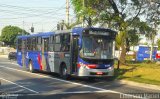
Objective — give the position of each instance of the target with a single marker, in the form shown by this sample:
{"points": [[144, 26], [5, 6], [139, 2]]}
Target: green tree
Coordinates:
{"points": [[114, 13], [9, 34], [150, 33], [153, 19], [71, 25], [158, 43], [133, 38]]}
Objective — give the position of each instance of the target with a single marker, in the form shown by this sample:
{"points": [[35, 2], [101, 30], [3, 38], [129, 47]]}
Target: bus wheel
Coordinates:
{"points": [[31, 67], [63, 72]]}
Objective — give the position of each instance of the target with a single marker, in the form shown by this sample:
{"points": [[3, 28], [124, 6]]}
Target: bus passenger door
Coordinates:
{"points": [[24, 53], [44, 50], [75, 49]]}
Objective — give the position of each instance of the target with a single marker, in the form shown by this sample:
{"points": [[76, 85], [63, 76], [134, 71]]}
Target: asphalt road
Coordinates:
{"points": [[17, 83]]}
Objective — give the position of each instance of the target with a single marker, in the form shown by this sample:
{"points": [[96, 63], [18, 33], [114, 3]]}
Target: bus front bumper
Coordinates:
{"points": [[95, 72]]}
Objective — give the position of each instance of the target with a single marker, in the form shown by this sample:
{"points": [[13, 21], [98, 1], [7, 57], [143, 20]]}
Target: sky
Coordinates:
{"points": [[43, 14]]}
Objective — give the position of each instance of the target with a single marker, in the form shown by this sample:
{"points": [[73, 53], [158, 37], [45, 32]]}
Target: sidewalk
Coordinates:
{"points": [[3, 56], [143, 85]]}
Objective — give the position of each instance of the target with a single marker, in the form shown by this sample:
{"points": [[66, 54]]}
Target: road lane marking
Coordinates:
{"points": [[85, 92], [4, 96], [67, 93], [101, 89], [19, 85], [14, 63], [76, 92], [153, 87], [54, 78]]}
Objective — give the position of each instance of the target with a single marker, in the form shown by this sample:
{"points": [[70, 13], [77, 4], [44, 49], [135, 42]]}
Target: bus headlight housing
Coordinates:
{"points": [[111, 68], [88, 66]]}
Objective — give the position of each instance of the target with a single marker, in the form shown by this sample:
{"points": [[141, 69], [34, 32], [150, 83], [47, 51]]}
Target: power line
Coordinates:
{"points": [[68, 3], [33, 12], [53, 28], [27, 8], [11, 11], [47, 14], [36, 15], [30, 12], [28, 23]]}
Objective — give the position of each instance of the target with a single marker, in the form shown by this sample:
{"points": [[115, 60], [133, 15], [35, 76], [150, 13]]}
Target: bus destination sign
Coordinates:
{"points": [[99, 33]]}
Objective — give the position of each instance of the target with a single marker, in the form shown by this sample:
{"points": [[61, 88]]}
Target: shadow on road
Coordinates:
{"points": [[51, 89]]}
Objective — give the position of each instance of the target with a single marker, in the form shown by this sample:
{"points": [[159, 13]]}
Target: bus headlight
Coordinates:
{"points": [[88, 66], [111, 68]]}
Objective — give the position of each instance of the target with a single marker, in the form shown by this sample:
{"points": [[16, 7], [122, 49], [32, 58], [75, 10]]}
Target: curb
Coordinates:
{"points": [[143, 85]]}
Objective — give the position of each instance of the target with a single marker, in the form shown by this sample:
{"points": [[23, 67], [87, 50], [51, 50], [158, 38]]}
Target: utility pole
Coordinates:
{"points": [[67, 12], [32, 28]]}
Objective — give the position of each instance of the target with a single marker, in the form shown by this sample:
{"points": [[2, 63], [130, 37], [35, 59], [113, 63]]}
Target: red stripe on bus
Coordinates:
{"points": [[39, 61]]}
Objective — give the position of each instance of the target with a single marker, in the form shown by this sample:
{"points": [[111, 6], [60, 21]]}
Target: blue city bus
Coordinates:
{"points": [[143, 53], [83, 52], [32, 49]]}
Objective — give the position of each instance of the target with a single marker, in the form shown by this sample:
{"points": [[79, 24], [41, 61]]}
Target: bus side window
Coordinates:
{"points": [[46, 41], [57, 38], [33, 43], [19, 44], [28, 44], [65, 42], [24, 44], [51, 43], [27, 47], [57, 44], [39, 42]]}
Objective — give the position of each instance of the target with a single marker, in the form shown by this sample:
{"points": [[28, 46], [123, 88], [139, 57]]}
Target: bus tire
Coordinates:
{"points": [[31, 67], [63, 72]]}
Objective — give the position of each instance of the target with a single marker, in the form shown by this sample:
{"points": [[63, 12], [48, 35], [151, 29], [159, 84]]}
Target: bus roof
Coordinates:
{"points": [[74, 31], [78, 30], [42, 34]]}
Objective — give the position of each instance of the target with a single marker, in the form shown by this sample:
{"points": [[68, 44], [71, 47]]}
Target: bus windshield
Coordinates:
{"points": [[96, 47]]}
